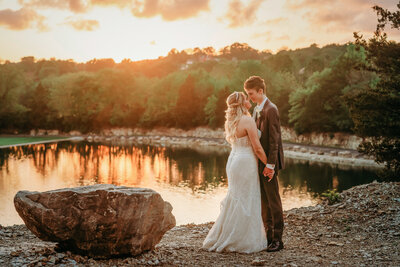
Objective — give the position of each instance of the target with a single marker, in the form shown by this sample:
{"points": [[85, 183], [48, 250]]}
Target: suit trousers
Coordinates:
{"points": [[271, 207]]}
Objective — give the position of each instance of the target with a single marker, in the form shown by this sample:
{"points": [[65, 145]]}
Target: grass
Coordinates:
{"points": [[8, 141], [332, 195]]}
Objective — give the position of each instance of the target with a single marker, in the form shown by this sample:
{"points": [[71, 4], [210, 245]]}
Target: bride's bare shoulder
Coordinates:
{"points": [[247, 119]]}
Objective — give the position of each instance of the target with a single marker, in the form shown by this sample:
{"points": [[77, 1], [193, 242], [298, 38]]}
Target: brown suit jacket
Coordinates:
{"points": [[271, 140]]}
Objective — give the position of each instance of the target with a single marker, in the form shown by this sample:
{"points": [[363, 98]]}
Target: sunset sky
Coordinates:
{"points": [[139, 29]]}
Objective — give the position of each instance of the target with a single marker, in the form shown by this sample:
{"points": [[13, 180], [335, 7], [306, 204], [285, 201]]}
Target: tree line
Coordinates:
{"points": [[189, 90]]}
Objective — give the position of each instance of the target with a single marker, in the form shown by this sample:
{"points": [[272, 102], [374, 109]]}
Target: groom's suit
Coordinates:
{"points": [[269, 124]]}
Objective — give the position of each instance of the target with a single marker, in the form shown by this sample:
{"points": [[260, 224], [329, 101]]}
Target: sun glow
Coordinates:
{"points": [[118, 34]]}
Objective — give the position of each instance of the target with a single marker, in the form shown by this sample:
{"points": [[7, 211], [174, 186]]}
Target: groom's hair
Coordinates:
{"points": [[255, 83]]}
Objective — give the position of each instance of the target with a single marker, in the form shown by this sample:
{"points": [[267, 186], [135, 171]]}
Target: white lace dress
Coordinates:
{"points": [[239, 226]]}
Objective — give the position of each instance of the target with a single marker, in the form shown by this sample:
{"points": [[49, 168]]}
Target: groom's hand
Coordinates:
{"points": [[269, 173]]}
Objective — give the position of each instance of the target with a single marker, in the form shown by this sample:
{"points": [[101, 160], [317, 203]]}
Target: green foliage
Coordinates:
{"points": [[239, 51], [375, 109], [319, 106], [281, 62], [75, 98], [37, 102], [332, 196], [184, 89], [162, 94], [13, 85], [216, 106], [188, 105]]}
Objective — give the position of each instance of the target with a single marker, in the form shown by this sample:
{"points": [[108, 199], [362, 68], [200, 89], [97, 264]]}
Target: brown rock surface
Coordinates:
{"points": [[99, 220]]}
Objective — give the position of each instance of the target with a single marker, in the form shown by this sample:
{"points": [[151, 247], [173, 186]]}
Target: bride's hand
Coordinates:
{"points": [[269, 173]]}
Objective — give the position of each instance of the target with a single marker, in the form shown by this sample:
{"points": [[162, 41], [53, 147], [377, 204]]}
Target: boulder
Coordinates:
{"points": [[99, 221]]}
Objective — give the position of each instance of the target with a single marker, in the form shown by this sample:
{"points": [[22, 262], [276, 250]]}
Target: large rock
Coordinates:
{"points": [[99, 220]]}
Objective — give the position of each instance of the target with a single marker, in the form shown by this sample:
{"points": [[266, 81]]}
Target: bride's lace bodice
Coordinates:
{"points": [[243, 143]]}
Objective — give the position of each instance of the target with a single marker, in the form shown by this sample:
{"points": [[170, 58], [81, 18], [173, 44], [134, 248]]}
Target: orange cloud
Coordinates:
{"points": [[240, 15], [82, 24], [22, 19], [169, 10], [283, 37], [275, 21], [267, 36], [76, 6], [302, 4], [338, 15], [119, 3]]}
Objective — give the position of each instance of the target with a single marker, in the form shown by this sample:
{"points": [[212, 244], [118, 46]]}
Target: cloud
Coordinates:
{"points": [[240, 15], [76, 6], [118, 3], [277, 21], [262, 34], [283, 38], [266, 36], [338, 15], [169, 10], [304, 4], [83, 24], [22, 19]]}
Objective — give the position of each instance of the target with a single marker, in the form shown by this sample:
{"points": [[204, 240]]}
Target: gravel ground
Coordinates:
{"points": [[361, 230]]}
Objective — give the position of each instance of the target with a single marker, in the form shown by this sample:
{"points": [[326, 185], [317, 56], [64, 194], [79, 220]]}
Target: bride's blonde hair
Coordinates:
{"points": [[236, 109]]}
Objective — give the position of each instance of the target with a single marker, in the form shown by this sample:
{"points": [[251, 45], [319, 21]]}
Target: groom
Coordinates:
{"points": [[267, 118]]}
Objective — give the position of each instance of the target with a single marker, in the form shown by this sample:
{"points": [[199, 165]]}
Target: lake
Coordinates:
{"points": [[192, 180]]}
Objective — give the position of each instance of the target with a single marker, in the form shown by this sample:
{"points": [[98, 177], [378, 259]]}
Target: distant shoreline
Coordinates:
{"points": [[214, 140]]}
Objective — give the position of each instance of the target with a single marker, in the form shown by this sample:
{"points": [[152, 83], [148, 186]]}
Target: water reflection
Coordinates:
{"points": [[193, 181]]}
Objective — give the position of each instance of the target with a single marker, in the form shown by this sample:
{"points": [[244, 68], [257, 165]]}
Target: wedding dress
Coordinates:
{"points": [[239, 226]]}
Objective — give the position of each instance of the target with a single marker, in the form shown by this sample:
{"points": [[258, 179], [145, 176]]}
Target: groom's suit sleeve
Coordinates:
{"points": [[273, 129]]}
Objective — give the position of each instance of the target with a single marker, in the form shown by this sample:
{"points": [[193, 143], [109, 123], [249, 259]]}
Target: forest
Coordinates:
{"points": [[185, 89]]}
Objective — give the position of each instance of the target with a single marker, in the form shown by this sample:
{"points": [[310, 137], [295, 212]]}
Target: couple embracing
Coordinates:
{"points": [[251, 217]]}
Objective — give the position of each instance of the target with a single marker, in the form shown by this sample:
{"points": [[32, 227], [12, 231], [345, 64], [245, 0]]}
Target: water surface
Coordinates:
{"points": [[192, 180]]}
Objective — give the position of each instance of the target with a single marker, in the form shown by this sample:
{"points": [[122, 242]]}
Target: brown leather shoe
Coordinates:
{"points": [[275, 246], [270, 236]]}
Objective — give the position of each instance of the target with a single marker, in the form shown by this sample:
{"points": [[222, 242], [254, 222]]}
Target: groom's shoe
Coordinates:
{"points": [[276, 245]]}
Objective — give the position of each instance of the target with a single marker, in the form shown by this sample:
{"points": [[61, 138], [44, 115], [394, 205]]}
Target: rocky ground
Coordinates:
{"points": [[363, 229]]}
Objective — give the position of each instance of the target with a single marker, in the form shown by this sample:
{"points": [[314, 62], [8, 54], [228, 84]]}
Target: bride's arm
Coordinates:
{"points": [[251, 130]]}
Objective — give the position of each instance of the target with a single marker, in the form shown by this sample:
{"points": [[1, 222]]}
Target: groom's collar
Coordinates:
{"points": [[261, 106]]}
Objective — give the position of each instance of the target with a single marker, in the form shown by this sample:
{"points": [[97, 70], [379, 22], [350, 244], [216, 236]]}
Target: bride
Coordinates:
{"points": [[239, 226]]}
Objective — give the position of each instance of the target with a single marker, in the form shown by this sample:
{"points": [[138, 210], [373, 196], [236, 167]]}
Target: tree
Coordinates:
{"points": [[39, 111], [98, 64], [239, 51], [281, 62], [375, 110], [319, 107], [160, 96], [76, 99], [188, 105], [13, 85], [120, 101], [216, 106]]}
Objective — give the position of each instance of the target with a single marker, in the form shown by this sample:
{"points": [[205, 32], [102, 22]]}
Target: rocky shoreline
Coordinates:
{"points": [[346, 157], [363, 229], [338, 149]]}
